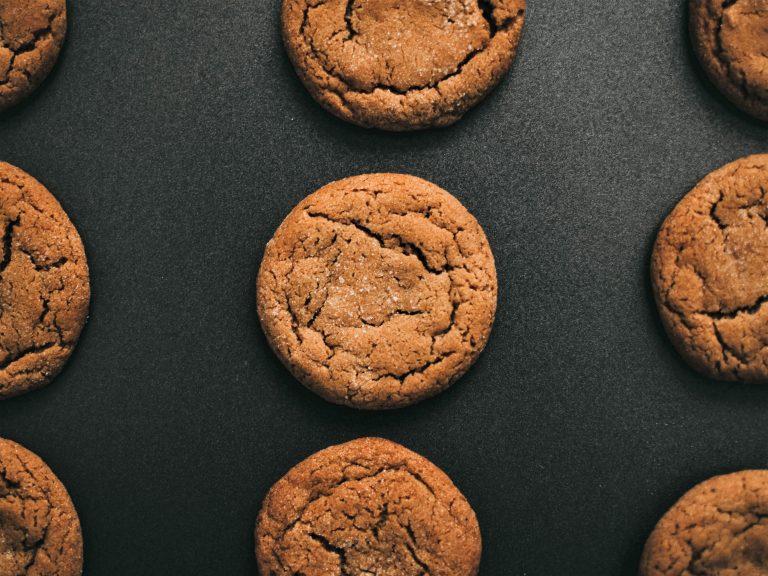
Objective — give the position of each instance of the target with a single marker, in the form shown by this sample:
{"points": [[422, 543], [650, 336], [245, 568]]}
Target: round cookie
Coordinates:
{"points": [[718, 528], [367, 508], [401, 64], [31, 35], [730, 39], [39, 528], [709, 271], [44, 286], [378, 291]]}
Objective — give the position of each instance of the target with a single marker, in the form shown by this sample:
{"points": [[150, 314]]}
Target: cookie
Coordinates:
{"points": [[378, 291], [367, 508], [718, 528], [31, 35], [39, 528], [730, 38], [710, 273], [401, 64], [44, 286]]}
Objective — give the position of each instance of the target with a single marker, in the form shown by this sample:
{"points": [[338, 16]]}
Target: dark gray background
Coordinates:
{"points": [[177, 137]]}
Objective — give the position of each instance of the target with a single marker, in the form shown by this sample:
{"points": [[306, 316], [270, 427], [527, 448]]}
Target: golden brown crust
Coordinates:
{"points": [[718, 528], [378, 291], [730, 39], [367, 508], [44, 285], [39, 528], [709, 270], [31, 35], [401, 64]]}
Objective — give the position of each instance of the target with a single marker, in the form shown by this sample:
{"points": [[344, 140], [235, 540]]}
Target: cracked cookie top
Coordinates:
{"points": [[401, 64], [730, 38], [710, 273], [44, 287], [378, 291], [39, 528], [719, 527], [367, 508], [31, 35]]}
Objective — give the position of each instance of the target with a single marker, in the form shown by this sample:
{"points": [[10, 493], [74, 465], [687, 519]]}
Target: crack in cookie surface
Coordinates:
{"points": [[44, 286], [31, 35], [378, 291], [718, 527], [710, 273], [369, 507], [39, 528]]}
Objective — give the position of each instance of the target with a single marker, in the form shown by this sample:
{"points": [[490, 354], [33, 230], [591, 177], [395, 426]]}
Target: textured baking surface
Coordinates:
{"points": [[178, 137]]}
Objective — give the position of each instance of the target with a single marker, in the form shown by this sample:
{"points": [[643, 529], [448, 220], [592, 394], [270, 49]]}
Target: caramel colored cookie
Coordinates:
{"points": [[31, 35], [367, 508], [401, 64], [39, 528], [730, 38], [378, 291], [44, 287], [710, 273], [719, 528]]}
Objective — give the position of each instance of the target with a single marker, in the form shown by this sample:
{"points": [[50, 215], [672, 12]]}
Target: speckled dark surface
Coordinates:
{"points": [[177, 137]]}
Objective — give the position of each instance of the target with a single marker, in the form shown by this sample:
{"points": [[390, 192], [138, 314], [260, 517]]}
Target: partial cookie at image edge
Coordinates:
{"points": [[32, 33], [40, 530], [439, 101], [363, 503], [44, 283]]}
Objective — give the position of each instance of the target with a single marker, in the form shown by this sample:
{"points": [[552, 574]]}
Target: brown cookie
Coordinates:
{"points": [[378, 291], [31, 35], [719, 528], [401, 64], [710, 273], [39, 528], [730, 38], [44, 287], [367, 508]]}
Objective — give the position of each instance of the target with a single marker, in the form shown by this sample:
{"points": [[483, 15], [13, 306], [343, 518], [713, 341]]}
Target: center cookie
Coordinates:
{"points": [[39, 528], [367, 508], [378, 291], [401, 64], [710, 273], [44, 286], [719, 528]]}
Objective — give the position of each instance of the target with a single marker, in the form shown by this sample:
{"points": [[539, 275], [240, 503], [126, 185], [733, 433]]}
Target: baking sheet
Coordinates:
{"points": [[177, 137]]}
